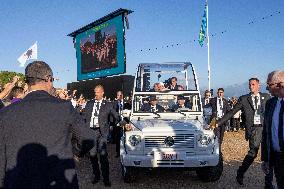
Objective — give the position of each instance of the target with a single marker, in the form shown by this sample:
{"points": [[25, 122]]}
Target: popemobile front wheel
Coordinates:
{"points": [[128, 174], [211, 174]]}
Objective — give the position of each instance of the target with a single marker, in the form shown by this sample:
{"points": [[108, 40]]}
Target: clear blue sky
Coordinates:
{"points": [[243, 51]]}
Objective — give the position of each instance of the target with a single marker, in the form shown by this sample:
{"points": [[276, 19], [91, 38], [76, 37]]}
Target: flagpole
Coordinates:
{"points": [[208, 49]]}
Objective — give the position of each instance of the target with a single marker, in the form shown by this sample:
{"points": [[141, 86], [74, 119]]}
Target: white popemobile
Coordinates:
{"points": [[171, 135]]}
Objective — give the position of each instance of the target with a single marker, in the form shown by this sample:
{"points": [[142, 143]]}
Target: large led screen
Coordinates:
{"points": [[100, 50]]}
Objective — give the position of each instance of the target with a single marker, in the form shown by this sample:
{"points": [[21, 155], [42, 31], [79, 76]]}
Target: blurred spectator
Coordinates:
{"points": [[155, 88], [235, 120], [152, 106], [161, 86], [16, 94], [206, 99], [181, 103], [173, 84], [7, 89], [62, 94]]}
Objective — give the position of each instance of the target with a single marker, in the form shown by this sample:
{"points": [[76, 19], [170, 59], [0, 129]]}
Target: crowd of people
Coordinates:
{"points": [[44, 131]]}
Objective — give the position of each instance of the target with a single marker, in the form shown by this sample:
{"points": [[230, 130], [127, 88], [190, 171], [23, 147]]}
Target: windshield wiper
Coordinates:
{"points": [[184, 114], [156, 114]]}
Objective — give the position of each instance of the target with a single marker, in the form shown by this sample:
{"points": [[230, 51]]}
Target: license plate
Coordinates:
{"points": [[167, 156]]}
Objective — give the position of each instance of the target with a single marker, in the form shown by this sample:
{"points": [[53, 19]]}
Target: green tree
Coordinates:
{"points": [[7, 76]]}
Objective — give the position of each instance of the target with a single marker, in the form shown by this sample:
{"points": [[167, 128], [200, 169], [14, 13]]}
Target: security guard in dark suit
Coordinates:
{"points": [[35, 136], [119, 105], [97, 114], [252, 106], [220, 107]]}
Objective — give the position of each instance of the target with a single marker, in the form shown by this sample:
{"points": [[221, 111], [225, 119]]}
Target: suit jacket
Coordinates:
{"points": [[266, 133], [175, 87], [203, 101], [213, 105], [125, 106], [1, 104], [147, 108], [35, 138], [106, 111], [177, 106], [245, 104]]}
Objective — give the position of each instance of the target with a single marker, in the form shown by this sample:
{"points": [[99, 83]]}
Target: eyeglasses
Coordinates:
{"points": [[269, 85], [46, 80]]}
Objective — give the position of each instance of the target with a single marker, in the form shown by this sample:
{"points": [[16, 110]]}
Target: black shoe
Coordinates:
{"points": [[95, 180], [240, 178], [269, 186], [107, 183]]}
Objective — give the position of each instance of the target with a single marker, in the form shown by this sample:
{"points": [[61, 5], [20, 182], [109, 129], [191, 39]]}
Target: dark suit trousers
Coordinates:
{"points": [[278, 162], [117, 136], [101, 151], [219, 132]]}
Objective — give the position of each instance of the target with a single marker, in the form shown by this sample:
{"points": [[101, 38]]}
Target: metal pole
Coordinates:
{"points": [[207, 33]]}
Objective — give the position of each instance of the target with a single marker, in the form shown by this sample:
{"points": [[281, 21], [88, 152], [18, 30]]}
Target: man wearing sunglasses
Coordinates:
{"points": [[35, 136], [272, 151], [252, 106]]}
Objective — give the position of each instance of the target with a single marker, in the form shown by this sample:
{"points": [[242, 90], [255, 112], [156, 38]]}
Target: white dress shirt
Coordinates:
{"points": [[219, 107], [256, 119], [94, 119]]}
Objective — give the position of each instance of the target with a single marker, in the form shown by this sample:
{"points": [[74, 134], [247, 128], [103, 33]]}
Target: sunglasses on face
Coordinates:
{"points": [[49, 77]]}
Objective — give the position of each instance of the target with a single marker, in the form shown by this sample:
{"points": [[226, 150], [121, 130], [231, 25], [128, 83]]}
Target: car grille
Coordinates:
{"points": [[180, 141]]}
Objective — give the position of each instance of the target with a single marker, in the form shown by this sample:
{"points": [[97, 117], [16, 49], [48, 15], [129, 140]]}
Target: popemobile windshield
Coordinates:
{"points": [[167, 127]]}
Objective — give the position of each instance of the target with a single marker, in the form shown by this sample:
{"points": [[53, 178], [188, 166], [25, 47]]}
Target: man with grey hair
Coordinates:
{"points": [[272, 151], [35, 136]]}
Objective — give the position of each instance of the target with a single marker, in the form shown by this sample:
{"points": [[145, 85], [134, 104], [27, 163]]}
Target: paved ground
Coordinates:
{"points": [[234, 150]]}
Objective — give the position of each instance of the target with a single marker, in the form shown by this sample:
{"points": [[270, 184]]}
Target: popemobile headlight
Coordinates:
{"points": [[204, 140], [134, 140]]}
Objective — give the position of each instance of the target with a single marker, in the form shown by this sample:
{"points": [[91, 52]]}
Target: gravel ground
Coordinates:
{"points": [[234, 150]]}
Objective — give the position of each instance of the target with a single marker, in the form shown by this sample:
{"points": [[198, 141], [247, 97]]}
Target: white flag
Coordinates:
{"points": [[31, 53]]}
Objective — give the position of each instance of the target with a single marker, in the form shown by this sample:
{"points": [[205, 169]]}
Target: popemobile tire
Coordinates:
{"points": [[128, 174], [211, 174]]}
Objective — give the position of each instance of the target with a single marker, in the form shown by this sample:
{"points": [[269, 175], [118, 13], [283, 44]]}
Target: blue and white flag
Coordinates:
{"points": [[203, 27], [29, 54]]}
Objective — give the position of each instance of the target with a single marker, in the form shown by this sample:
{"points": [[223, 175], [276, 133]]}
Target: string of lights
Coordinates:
{"points": [[177, 44]]}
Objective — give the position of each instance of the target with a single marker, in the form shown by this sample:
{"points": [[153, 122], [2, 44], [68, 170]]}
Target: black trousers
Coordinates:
{"points": [[254, 144], [235, 124], [219, 132], [101, 152], [118, 131], [278, 165]]}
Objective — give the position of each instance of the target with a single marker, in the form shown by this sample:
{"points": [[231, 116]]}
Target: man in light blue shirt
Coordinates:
{"points": [[272, 153]]}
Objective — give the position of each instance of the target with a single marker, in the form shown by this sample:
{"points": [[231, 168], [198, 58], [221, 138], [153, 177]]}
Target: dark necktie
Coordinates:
{"points": [[280, 127], [97, 108], [255, 102], [119, 106], [220, 103]]}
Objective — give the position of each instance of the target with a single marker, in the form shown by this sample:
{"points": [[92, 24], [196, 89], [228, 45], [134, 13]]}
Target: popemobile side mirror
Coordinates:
{"points": [[126, 113], [207, 113]]}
